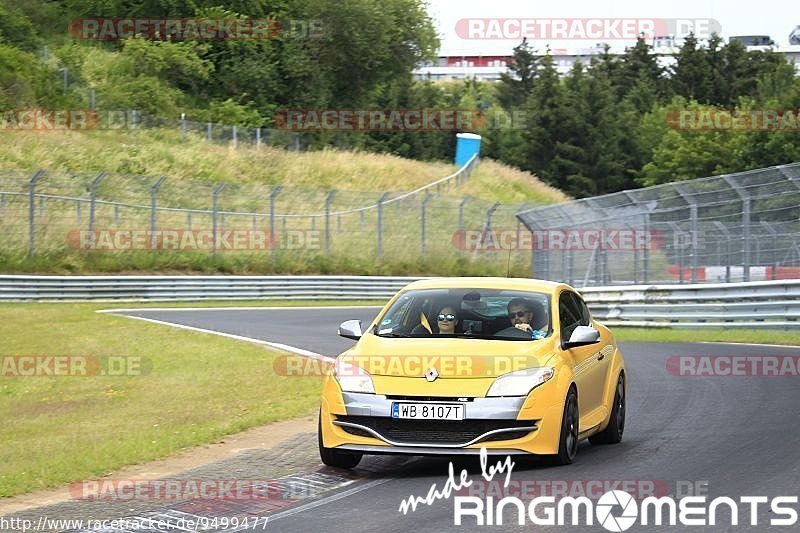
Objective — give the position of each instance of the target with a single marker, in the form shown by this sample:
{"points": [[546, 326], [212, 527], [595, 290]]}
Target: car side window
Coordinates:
{"points": [[586, 316], [569, 314]]}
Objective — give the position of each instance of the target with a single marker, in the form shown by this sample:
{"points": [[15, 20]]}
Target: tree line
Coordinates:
{"points": [[609, 124]]}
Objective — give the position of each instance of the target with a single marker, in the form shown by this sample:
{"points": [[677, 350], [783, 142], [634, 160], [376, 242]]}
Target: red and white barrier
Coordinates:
{"points": [[717, 273]]}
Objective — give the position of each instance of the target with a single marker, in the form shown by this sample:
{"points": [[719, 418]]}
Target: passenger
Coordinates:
{"points": [[447, 320]]}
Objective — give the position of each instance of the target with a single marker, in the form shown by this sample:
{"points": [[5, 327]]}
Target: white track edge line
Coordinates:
{"points": [[327, 500], [795, 346], [288, 307], [276, 345]]}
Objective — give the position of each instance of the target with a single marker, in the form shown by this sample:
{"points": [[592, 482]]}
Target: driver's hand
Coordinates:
{"points": [[524, 327]]}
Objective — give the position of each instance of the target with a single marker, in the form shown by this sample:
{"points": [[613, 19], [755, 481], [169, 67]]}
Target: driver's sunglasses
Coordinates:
{"points": [[518, 314], [448, 318]]}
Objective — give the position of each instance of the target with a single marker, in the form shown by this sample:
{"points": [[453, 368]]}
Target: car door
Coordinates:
{"points": [[604, 351], [586, 366]]}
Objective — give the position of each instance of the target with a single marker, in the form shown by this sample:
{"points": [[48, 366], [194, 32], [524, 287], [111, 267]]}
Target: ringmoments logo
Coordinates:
{"points": [[617, 510]]}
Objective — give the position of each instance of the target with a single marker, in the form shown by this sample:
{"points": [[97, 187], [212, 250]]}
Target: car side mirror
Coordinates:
{"points": [[582, 336], [350, 329]]}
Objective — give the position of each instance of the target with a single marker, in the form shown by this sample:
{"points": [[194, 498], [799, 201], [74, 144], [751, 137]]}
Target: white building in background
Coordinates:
{"points": [[460, 65]]}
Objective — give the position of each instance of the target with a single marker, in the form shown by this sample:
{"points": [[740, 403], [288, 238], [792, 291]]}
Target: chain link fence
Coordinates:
{"points": [[52, 215], [736, 227]]}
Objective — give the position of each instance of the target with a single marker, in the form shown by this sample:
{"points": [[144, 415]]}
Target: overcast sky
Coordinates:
{"points": [[776, 18]]}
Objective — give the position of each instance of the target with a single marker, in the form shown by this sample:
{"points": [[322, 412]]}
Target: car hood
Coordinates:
{"points": [[448, 357]]}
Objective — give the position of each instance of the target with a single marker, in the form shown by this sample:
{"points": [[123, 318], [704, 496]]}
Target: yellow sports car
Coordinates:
{"points": [[452, 365]]}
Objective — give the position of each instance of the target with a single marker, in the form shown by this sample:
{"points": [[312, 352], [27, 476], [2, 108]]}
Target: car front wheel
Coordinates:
{"points": [[616, 424], [568, 443], [333, 457]]}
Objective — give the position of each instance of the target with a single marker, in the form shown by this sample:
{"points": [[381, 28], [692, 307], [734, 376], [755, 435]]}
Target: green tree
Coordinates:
{"points": [[639, 66], [690, 77], [546, 113], [516, 85]]}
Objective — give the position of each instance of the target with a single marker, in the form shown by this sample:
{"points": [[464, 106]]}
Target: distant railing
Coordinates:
{"points": [[768, 304]]}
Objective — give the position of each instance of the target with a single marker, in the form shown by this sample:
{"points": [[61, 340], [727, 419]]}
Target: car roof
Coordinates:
{"points": [[520, 284]]}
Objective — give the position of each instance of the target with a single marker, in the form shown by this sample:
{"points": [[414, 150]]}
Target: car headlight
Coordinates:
{"points": [[521, 382], [353, 378]]}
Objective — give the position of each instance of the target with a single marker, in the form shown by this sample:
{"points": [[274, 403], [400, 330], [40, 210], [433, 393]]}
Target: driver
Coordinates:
{"points": [[521, 313]]}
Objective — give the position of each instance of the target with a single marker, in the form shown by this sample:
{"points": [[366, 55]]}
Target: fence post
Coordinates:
{"points": [[689, 199], [214, 210], [153, 204], [488, 224], [183, 127], [646, 251], [92, 200], [258, 137], [424, 218], [328, 200], [773, 252], [65, 72], [461, 211], [380, 225], [520, 209], [32, 212], [272, 195], [745, 197]]}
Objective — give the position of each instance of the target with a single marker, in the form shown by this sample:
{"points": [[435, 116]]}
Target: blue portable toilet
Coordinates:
{"points": [[467, 145]]}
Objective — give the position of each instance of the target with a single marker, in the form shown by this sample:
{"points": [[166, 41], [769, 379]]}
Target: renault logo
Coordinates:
{"points": [[431, 374]]}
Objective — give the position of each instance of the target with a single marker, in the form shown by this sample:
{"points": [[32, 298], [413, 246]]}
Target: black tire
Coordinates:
{"points": [[333, 457], [568, 441], [616, 425]]}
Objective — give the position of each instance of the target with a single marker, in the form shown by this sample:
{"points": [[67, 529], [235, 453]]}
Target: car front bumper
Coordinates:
{"points": [[362, 423]]}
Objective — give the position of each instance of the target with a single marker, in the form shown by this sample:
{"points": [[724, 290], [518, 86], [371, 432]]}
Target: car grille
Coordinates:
{"points": [[436, 431]]}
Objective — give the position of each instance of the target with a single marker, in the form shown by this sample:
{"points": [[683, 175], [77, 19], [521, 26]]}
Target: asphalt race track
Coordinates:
{"points": [[740, 435]]}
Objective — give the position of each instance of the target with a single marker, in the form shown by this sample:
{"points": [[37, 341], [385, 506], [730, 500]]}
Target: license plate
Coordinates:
{"points": [[428, 411]]}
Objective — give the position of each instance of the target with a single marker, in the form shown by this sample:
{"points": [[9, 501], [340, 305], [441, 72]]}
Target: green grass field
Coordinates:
{"points": [[199, 388]]}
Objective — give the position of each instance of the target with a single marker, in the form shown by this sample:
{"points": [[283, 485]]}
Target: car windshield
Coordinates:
{"points": [[468, 313]]}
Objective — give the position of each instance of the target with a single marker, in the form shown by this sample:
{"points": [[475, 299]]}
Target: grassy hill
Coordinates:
{"points": [[134, 159], [161, 152]]}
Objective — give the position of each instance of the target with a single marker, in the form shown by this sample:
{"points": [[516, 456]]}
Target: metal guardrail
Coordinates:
{"points": [[197, 288], [759, 304], [767, 304]]}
